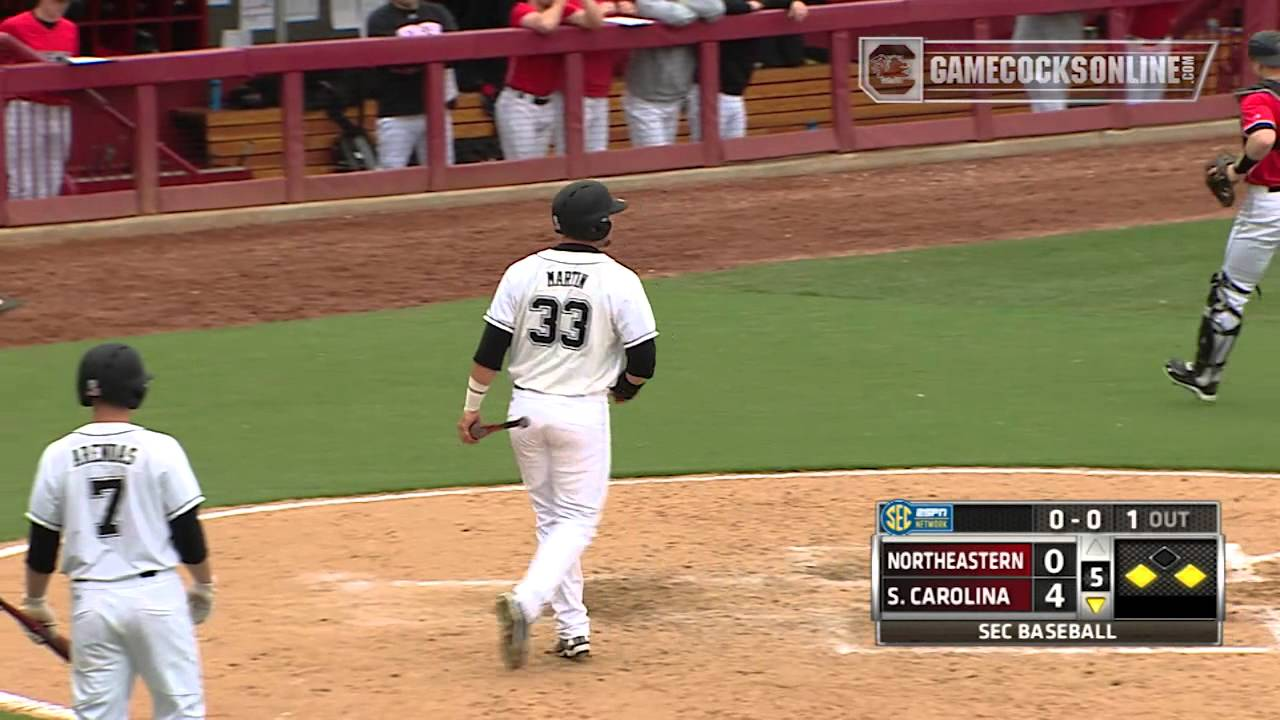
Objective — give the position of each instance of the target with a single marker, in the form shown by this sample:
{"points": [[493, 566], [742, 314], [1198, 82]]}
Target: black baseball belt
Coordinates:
{"points": [[142, 575]]}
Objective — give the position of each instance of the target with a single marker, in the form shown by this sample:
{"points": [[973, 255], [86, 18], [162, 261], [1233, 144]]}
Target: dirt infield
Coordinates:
{"points": [[310, 269], [721, 599]]}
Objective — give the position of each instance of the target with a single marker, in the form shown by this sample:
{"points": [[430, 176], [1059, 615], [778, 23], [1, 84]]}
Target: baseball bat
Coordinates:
{"points": [[56, 642], [479, 431]]}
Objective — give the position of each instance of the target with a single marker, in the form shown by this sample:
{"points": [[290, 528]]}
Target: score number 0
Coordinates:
{"points": [[1092, 519], [1054, 562]]}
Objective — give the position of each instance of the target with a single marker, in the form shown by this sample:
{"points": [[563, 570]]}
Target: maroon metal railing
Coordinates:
{"points": [[842, 23]]}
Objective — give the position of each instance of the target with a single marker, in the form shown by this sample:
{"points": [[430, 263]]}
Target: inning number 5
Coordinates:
{"points": [[575, 316]]}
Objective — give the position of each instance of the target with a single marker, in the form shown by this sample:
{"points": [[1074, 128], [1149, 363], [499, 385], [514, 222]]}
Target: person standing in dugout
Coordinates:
{"points": [[529, 109], [37, 127], [1255, 233], [737, 65], [402, 124], [597, 80], [658, 79], [580, 332]]}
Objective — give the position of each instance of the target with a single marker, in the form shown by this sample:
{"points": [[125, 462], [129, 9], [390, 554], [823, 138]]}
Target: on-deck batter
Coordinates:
{"points": [[580, 329], [1255, 233], [125, 500], [37, 127]]}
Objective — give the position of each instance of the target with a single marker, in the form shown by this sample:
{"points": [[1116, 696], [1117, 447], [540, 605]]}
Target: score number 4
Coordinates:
{"points": [[1055, 593]]}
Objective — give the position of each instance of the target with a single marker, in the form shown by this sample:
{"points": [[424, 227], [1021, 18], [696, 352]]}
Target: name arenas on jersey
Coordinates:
{"points": [[105, 452]]}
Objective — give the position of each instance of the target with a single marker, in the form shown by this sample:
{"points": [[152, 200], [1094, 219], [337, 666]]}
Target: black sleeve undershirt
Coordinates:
{"points": [[188, 537], [642, 359], [42, 549], [493, 347]]}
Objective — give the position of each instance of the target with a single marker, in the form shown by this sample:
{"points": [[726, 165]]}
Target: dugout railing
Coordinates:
{"points": [[141, 79]]}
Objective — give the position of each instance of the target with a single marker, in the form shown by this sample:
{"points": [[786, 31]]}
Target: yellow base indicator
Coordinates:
{"points": [[1190, 576], [1141, 576], [1096, 603]]}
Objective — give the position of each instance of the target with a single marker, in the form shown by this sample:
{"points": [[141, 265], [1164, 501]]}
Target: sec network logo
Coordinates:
{"points": [[901, 517]]}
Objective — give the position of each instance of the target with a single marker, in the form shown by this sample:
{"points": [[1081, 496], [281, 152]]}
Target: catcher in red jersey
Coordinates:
{"points": [[1256, 231], [37, 127]]}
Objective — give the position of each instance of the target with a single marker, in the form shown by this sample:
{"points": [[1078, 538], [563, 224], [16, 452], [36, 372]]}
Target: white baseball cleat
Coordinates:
{"points": [[513, 631]]}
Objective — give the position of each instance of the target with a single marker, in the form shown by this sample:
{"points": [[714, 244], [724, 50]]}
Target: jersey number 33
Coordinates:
{"points": [[566, 323]]}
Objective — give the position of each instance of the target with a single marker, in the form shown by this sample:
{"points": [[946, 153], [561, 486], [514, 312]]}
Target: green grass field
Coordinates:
{"points": [[1044, 352]]}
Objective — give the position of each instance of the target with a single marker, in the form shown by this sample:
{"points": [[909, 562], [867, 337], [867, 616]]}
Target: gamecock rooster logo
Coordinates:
{"points": [[890, 68]]}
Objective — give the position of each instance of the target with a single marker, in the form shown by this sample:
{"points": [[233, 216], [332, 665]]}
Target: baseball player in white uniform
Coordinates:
{"points": [[580, 330], [125, 501]]}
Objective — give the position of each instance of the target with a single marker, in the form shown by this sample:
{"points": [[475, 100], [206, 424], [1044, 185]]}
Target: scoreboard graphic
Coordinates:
{"points": [[1048, 573]]}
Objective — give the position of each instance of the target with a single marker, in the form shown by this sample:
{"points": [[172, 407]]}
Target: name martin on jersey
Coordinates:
{"points": [[87, 454], [566, 278]]}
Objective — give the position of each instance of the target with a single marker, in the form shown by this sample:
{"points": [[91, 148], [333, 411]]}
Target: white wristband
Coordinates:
{"points": [[475, 396]]}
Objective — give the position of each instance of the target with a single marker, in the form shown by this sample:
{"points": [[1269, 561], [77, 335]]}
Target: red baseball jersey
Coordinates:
{"points": [[1153, 22], [51, 41], [538, 75], [597, 72], [1259, 109]]}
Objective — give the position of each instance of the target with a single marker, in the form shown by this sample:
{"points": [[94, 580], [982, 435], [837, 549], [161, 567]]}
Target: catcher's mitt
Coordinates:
{"points": [[1216, 178]]}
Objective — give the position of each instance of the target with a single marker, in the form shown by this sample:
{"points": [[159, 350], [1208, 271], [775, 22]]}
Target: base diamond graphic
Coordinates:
{"points": [[1141, 575], [1164, 558], [1190, 575]]}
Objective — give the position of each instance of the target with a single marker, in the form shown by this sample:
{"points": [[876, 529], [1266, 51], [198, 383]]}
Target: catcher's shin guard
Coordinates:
{"points": [[1219, 329]]}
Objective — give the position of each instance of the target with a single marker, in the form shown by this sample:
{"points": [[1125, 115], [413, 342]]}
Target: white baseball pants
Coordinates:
{"points": [[733, 115], [525, 128], [595, 124], [37, 142], [651, 123], [1048, 97], [401, 136], [1254, 237], [564, 458], [128, 628], [1135, 95]]}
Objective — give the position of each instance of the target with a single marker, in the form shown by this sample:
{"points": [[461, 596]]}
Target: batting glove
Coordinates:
{"points": [[38, 609], [200, 600]]}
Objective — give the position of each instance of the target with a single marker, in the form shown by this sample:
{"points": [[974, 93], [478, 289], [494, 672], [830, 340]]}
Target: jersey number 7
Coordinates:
{"points": [[575, 313], [115, 488]]}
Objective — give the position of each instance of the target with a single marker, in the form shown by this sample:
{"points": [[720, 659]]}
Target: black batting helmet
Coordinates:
{"points": [[582, 210], [112, 373]]}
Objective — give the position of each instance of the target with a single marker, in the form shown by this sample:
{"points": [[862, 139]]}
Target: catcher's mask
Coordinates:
{"points": [[113, 374], [582, 210]]}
